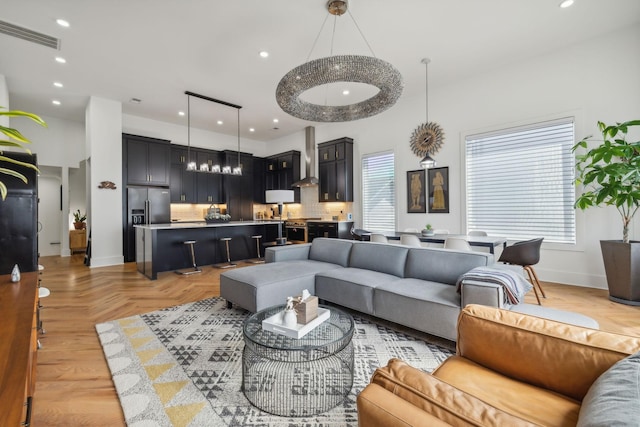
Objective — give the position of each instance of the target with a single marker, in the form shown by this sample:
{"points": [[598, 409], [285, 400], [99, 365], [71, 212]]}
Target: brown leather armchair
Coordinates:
{"points": [[509, 369]]}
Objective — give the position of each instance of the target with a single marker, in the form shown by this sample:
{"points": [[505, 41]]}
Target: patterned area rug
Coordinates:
{"points": [[182, 366]]}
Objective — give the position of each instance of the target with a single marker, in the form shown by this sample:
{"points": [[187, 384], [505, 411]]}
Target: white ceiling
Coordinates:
{"points": [[154, 50]]}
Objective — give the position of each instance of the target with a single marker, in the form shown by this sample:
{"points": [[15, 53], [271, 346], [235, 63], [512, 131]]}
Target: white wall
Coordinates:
{"points": [[579, 81]]}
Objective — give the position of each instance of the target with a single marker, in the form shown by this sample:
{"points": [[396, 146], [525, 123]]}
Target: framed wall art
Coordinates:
{"points": [[416, 191], [438, 190]]}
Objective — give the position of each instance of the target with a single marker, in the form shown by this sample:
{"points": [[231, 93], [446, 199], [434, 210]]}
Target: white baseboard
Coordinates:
{"points": [[106, 261]]}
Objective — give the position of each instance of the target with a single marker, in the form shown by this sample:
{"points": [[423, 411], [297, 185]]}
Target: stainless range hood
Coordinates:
{"points": [[309, 159]]}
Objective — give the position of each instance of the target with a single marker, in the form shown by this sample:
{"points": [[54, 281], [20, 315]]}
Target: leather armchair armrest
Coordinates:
{"points": [[378, 407]]}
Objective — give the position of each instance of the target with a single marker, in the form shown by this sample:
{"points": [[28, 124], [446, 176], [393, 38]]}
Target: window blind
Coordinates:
{"points": [[519, 182], [378, 192]]}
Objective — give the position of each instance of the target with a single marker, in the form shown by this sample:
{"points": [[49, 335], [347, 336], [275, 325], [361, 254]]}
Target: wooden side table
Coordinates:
{"points": [[77, 240]]}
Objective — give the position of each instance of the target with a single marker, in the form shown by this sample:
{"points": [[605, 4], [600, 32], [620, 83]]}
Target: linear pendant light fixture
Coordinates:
{"points": [[192, 165], [339, 68]]}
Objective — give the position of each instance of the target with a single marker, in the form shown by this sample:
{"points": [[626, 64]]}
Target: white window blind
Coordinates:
{"points": [[378, 192], [520, 182]]}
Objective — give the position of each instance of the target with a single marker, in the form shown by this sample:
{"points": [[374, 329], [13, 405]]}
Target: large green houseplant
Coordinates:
{"points": [[610, 176], [17, 140]]}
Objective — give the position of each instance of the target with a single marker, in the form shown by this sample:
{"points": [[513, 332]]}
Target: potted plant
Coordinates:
{"points": [[79, 220], [428, 230], [16, 139], [610, 176]]}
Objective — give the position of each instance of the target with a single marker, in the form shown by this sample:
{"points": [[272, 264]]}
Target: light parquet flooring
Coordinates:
{"points": [[74, 386]]}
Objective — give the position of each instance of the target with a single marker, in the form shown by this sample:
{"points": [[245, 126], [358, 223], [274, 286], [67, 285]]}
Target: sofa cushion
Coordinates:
{"points": [[351, 287], [389, 259], [443, 265], [335, 251], [614, 398], [535, 404]]}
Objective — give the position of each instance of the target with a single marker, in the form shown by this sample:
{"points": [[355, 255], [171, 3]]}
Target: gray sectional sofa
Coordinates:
{"points": [[415, 287]]}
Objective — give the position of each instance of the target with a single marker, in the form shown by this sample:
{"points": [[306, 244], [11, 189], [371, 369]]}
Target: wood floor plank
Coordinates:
{"points": [[74, 386]]}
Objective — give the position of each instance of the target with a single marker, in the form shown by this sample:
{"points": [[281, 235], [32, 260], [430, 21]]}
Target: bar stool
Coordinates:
{"points": [[228, 263], [195, 269], [259, 259], [42, 293]]}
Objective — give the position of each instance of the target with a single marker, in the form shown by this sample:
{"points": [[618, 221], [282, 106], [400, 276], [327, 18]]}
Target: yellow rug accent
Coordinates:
{"points": [[139, 342], [182, 415], [154, 371], [132, 331], [146, 355], [128, 321], [166, 391]]}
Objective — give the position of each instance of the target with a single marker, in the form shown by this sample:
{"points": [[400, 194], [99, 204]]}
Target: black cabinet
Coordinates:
{"points": [[19, 216], [282, 170], [336, 170], [335, 230], [182, 182], [208, 185], [238, 189], [147, 160], [259, 179]]}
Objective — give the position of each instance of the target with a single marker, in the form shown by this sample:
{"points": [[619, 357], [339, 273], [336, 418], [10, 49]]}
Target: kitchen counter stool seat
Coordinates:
{"points": [[227, 264], [259, 259]]}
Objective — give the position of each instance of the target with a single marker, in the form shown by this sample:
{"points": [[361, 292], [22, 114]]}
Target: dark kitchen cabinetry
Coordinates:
{"points": [[183, 183], [259, 179], [336, 170], [282, 171], [332, 229], [208, 185], [238, 189], [147, 160]]}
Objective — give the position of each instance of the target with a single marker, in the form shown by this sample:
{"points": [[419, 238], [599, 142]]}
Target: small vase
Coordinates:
{"points": [[289, 318], [15, 274]]}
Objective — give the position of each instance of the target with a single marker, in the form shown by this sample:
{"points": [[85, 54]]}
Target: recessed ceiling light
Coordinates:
{"points": [[264, 54], [252, 130], [58, 84], [275, 120], [220, 122], [345, 92], [181, 113], [55, 102], [566, 3], [61, 60], [62, 23], [135, 100]]}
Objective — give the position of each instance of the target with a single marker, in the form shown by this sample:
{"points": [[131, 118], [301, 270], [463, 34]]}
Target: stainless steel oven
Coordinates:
{"points": [[297, 231]]}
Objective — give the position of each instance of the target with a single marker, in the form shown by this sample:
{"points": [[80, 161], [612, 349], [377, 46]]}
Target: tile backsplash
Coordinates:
{"points": [[308, 208]]}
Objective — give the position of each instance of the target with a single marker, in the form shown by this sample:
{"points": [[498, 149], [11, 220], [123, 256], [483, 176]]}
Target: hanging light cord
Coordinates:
{"points": [[238, 110], [317, 37], [426, 74], [188, 128], [361, 33]]}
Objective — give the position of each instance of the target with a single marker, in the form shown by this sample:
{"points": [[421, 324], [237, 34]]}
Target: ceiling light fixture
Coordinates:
{"points": [[220, 122], [566, 3], [252, 130], [55, 102], [275, 120], [339, 68], [264, 54], [191, 165], [428, 137], [61, 60], [58, 84], [62, 23], [181, 113]]}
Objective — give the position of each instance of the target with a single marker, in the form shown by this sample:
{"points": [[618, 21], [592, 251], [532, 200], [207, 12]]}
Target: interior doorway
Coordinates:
{"points": [[50, 211]]}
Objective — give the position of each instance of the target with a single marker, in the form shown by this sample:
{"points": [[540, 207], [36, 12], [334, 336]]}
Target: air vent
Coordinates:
{"points": [[29, 35]]}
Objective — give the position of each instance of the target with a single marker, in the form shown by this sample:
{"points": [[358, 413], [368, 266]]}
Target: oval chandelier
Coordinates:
{"points": [[339, 68]]}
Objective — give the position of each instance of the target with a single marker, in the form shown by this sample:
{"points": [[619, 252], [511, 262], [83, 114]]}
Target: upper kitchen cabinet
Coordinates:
{"points": [[238, 189], [183, 182], [147, 160], [282, 171], [336, 170], [208, 185]]}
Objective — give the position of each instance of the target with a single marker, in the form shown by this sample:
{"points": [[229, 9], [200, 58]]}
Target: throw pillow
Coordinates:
{"points": [[614, 398]]}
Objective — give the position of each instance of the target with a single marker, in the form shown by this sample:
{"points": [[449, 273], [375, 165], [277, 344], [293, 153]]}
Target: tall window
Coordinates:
{"points": [[378, 192], [520, 182]]}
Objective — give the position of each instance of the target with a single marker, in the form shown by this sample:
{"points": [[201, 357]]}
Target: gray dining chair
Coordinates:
{"points": [[410, 240], [379, 238], [477, 233]]}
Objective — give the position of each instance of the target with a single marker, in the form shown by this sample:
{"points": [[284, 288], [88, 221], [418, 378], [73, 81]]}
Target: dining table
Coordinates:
{"points": [[490, 242]]}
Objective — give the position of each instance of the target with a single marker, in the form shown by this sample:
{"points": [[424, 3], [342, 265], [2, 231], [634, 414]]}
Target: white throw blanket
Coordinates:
{"points": [[514, 284]]}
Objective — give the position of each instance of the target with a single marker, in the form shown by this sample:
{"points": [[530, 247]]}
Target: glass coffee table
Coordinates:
{"points": [[297, 377]]}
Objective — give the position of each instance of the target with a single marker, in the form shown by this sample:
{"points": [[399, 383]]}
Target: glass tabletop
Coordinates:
{"points": [[328, 337]]}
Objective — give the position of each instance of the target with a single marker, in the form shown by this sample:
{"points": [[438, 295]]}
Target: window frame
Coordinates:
{"points": [[363, 207]]}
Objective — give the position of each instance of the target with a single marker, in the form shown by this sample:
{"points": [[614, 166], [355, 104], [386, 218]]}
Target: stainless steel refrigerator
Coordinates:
{"points": [[145, 205]]}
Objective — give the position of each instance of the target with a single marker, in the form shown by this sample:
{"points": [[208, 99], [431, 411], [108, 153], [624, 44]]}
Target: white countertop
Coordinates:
{"points": [[203, 224]]}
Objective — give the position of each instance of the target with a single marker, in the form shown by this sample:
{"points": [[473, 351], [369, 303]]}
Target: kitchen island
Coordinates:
{"points": [[160, 247]]}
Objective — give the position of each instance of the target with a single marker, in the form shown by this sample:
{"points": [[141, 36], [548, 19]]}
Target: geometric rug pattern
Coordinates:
{"points": [[182, 366]]}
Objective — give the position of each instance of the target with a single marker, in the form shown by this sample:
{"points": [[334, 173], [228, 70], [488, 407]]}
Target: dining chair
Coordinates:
{"points": [[379, 238], [477, 233], [410, 240], [525, 254], [457, 243]]}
